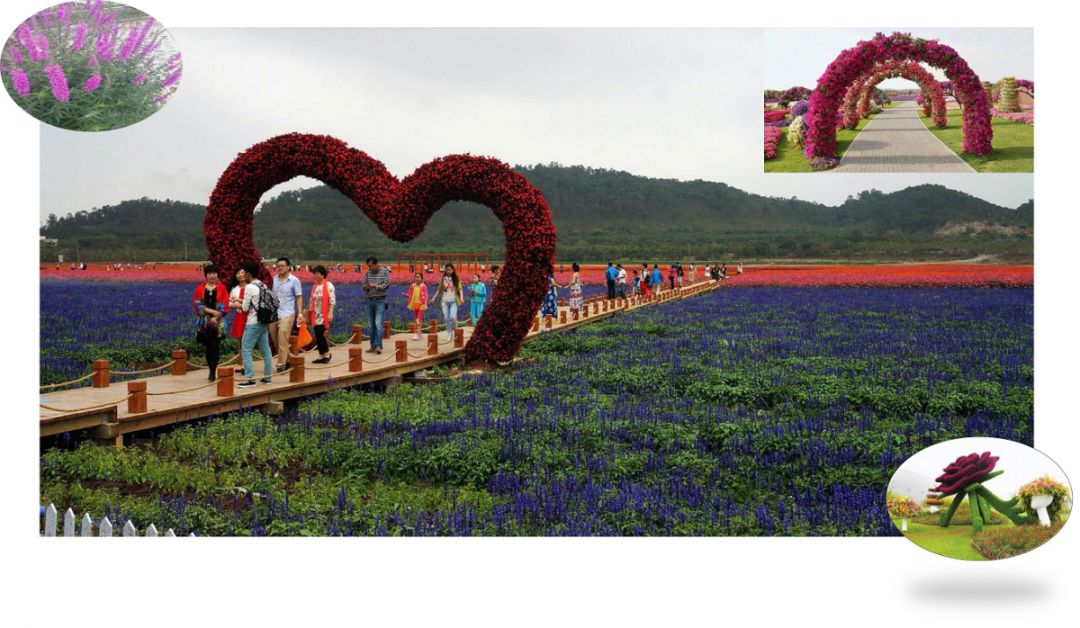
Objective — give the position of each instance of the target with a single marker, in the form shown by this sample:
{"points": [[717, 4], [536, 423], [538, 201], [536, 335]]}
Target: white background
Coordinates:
{"points": [[512, 582]]}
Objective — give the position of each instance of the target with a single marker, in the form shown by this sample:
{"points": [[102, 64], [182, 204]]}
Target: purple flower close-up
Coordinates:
{"points": [[92, 83], [80, 37], [20, 81], [58, 81]]}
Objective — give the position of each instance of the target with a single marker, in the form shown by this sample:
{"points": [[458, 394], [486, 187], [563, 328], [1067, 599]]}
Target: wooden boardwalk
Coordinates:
{"points": [[121, 408]]}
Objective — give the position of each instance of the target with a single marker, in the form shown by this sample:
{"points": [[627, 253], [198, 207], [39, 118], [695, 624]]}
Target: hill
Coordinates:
{"points": [[599, 214]]}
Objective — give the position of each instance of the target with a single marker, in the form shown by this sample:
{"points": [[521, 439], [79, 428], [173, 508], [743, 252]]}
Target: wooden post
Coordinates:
{"points": [[402, 348], [294, 345], [101, 374], [459, 338], [547, 322], [357, 334], [296, 368], [562, 302], [179, 366], [536, 324], [356, 359], [433, 326], [562, 317], [386, 330], [433, 344], [137, 397], [225, 380]]}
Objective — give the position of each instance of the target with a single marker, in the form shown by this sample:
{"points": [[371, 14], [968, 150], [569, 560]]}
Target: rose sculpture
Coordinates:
{"points": [[853, 63], [965, 476], [401, 210]]}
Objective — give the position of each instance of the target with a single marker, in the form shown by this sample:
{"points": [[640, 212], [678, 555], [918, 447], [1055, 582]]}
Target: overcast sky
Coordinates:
{"points": [[1020, 463], [798, 56], [681, 104]]}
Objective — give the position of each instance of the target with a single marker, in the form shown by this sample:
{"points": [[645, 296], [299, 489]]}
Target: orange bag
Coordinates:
{"points": [[303, 336]]}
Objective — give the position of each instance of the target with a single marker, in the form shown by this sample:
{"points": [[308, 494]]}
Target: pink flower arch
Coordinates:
{"points": [[828, 97], [857, 98]]}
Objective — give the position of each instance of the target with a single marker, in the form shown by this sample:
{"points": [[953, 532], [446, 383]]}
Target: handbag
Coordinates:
{"points": [[207, 332]]}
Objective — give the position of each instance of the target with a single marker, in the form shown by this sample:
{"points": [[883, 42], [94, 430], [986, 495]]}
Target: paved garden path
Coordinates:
{"points": [[896, 140]]}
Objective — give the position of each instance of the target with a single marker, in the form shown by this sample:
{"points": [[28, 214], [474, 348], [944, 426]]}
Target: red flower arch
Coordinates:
{"points": [[849, 65], [857, 98], [401, 210]]}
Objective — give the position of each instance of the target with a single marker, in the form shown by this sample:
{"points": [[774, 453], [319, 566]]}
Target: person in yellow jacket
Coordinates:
{"points": [[449, 296], [418, 302]]}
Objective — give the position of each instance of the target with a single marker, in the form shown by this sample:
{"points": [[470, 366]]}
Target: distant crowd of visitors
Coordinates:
{"points": [[270, 315]]}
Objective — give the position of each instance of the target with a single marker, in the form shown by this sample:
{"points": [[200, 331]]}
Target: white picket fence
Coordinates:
{"points": [[86, 526]]}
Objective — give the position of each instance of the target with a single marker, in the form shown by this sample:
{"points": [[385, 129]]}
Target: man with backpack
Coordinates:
{"points": [[261, 305]]}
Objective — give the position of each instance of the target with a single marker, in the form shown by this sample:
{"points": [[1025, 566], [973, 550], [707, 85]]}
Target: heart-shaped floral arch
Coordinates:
{"points": [[849, 65], [401, 210]]}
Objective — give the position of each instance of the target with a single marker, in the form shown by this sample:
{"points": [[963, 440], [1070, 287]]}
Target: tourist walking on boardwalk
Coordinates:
{"points": [[237, 295], [290, 302], [449, 296], [644, 278], [477, 298], [376, 285], [417, 296], [255, 332], [493, 280], [738, 271], [680, 274], [657, 279], [321, 312], [550, 307], [610, 274], [577, 295], [211, 306], [693, 273], [671, 276], [620, 281]]}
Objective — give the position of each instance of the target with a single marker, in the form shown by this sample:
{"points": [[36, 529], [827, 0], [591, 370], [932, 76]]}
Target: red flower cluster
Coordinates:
{"points": [[775, 115], [963, 471], [772, 138], [401, 210], [908, 275], [859, 61]]}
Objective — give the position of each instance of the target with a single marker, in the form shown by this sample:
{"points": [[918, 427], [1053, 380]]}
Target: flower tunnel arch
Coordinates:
{"points": [[401, 210], [857, 98], [851, 64]]}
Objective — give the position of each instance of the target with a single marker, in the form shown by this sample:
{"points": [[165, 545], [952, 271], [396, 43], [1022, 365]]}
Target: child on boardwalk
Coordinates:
{"points": [[477, 298], [418, 301]]}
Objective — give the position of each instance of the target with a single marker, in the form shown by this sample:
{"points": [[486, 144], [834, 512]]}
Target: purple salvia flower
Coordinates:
{"points": [[143, 32], [20, 82], [139, 79], [40, 49], [22, 35], [92, 83], [16, 57], [128, 46], [94, 10], [80, 37], [58, 81], [105, 47], [172, 79]]}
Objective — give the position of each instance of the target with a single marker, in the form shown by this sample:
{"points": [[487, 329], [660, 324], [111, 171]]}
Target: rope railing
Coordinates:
{"points": [[67, 383], [93, 407], [183, 390], [143, 371]]}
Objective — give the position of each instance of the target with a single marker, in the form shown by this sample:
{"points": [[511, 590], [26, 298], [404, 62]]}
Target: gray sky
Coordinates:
{"points": [[1020, 463], [662, 103], [798, 56]]}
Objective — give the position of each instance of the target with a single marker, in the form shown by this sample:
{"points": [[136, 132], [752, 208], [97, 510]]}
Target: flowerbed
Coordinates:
{"points": [[1027, 116], [1004, 542], [743, 412], [772, 137]]}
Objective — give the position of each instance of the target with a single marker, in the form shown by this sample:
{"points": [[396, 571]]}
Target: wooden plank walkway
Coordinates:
{"points": [[172, 399]]}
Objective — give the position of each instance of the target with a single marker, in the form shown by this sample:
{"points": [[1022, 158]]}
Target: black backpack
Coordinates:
{"points": [[266, 310]]}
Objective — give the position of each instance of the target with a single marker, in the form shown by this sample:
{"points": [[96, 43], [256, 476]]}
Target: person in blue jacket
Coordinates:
{"points": [[477, 298], [611, 274], [657, 278]]}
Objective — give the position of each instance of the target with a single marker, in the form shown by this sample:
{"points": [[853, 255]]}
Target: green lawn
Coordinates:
{"points": [[790, 158], [953, 541], [1014, 144]]}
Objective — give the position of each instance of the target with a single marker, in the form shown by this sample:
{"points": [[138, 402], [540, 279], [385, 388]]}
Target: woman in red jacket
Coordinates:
{"points": [[211, 304]]}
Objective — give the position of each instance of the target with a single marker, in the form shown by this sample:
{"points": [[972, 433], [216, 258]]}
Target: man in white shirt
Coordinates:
{"points": [[620, 281], [290, 304]]}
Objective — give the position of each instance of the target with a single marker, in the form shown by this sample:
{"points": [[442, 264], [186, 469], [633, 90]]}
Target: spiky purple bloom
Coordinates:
{"points": [[149, 49], [20, 82], [138, 80], [171, 79], [80, 37], [16, 56], [39, 47], [140, 36], [92, 83], [58, 81], [104, 47]]}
